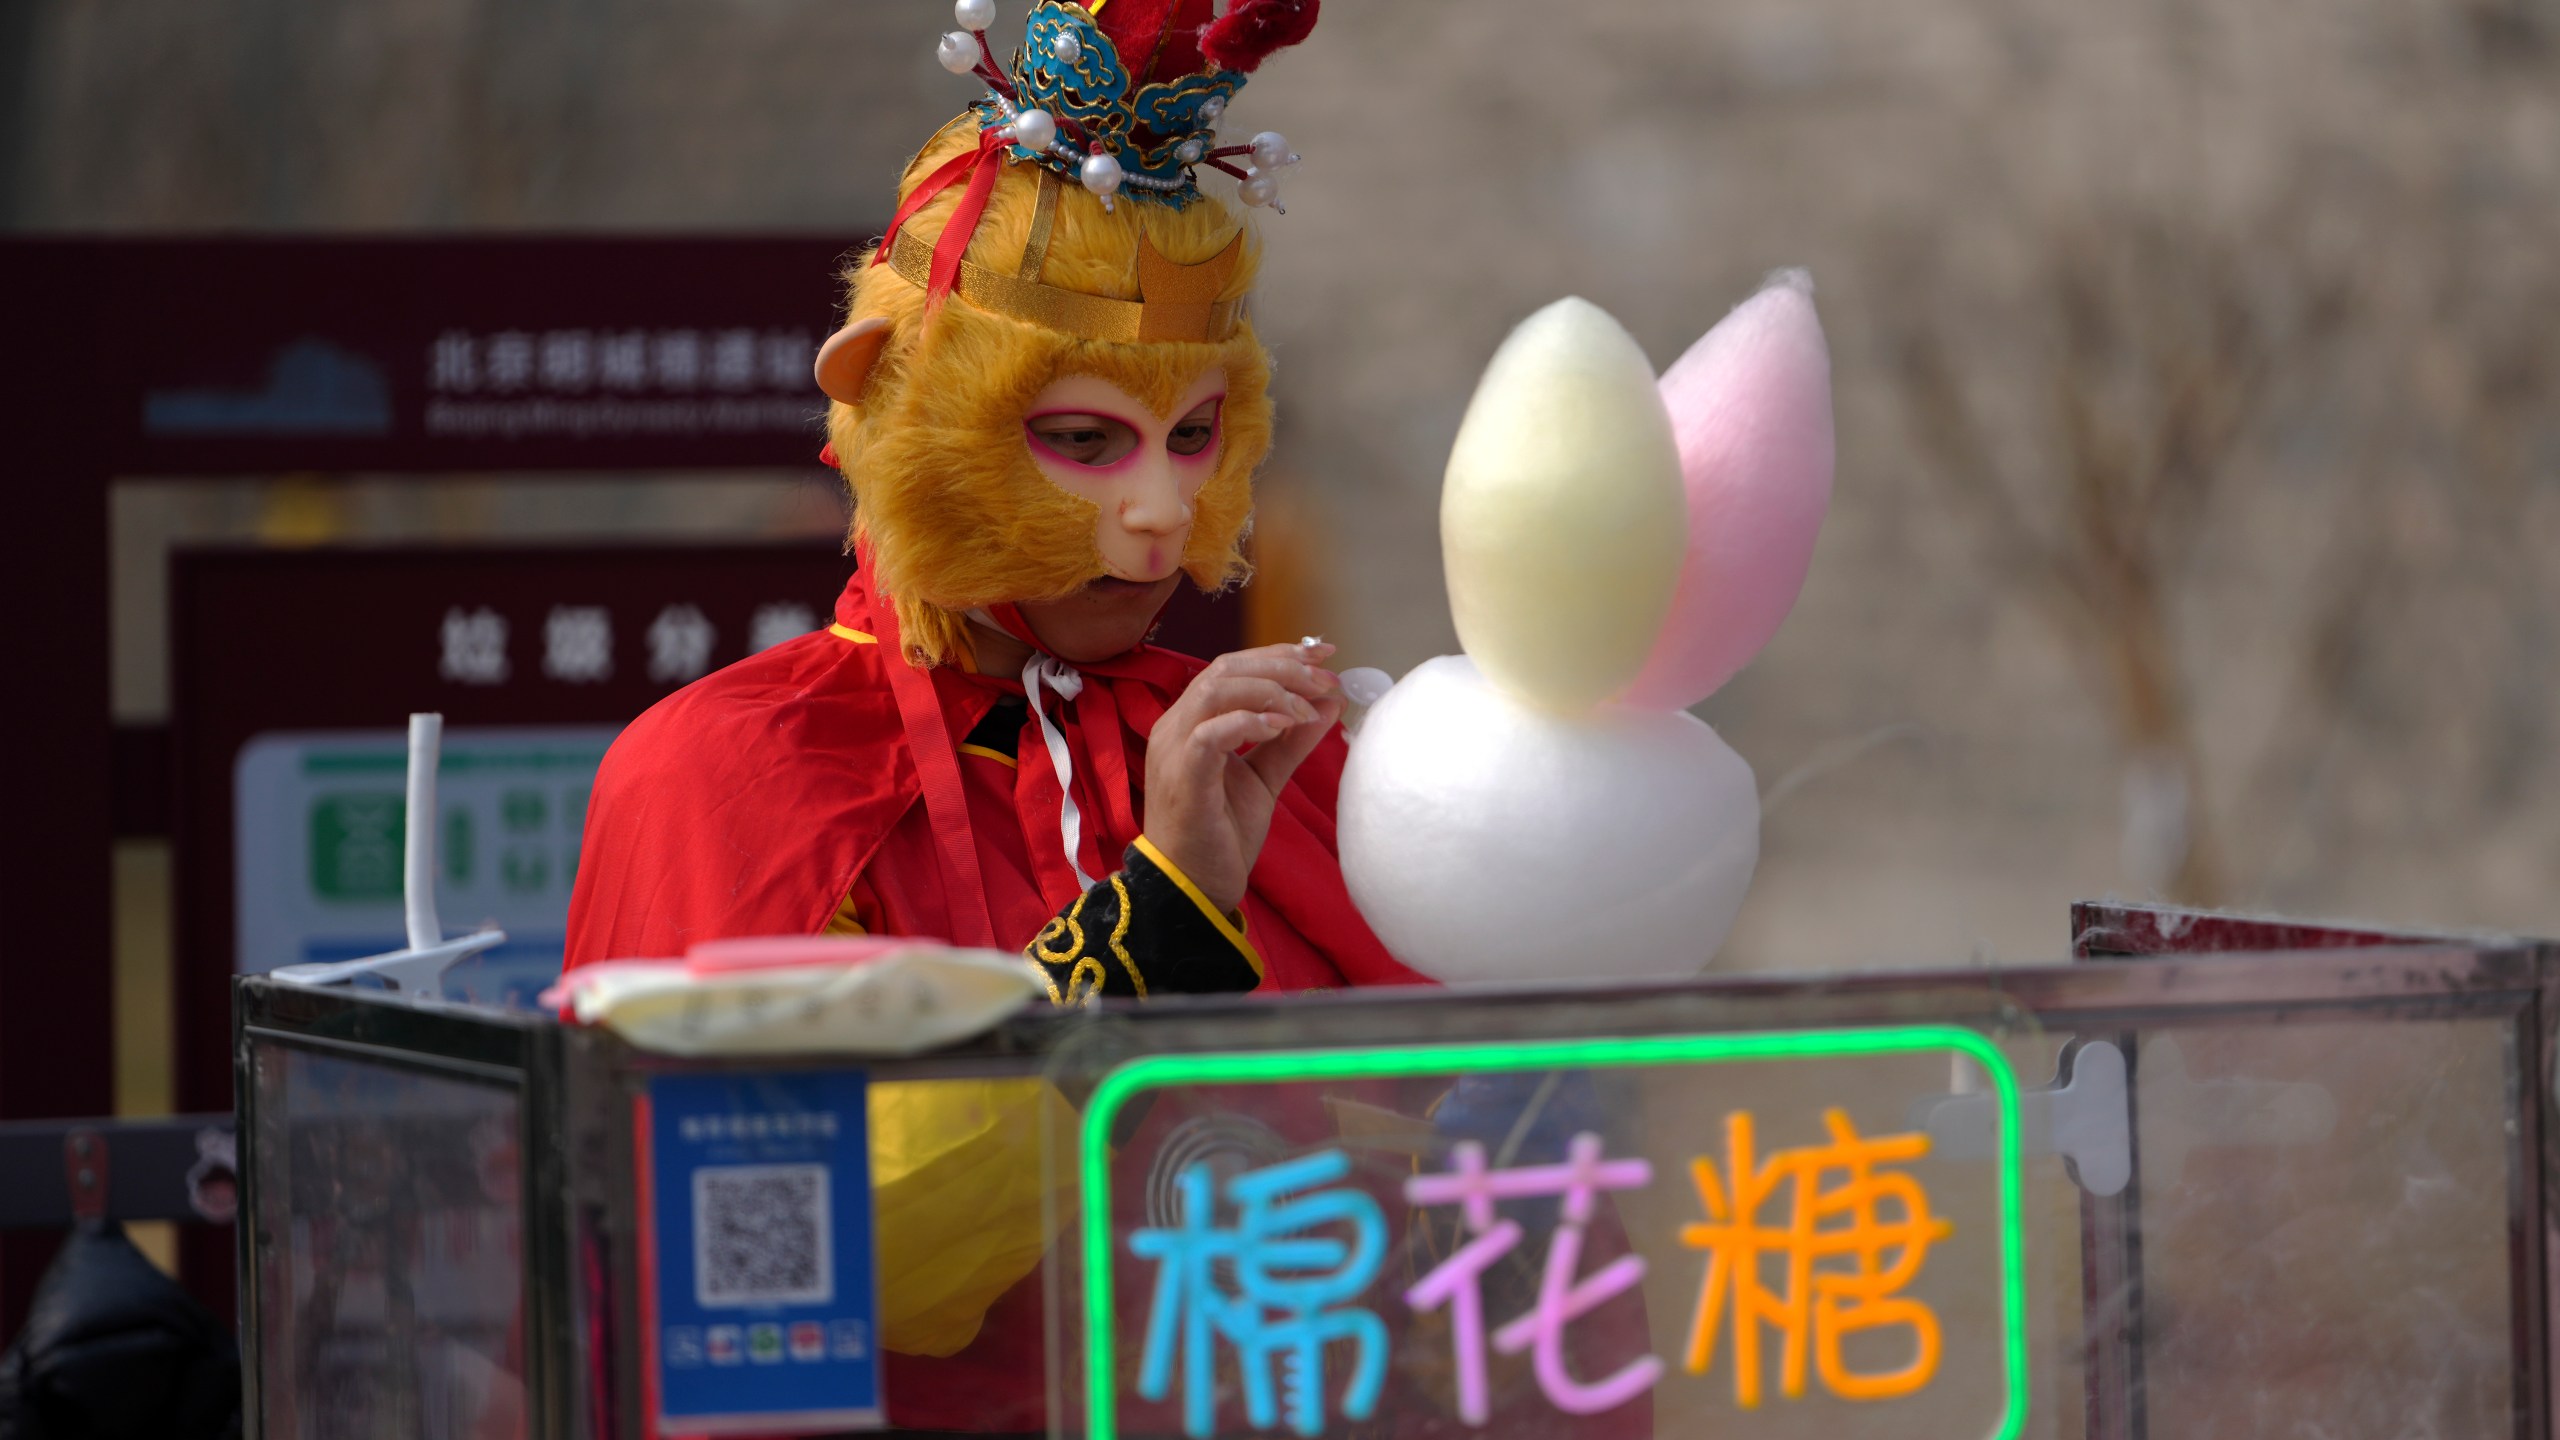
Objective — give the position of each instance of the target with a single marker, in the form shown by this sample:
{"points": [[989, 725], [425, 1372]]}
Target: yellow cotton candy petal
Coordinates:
{"points": [[964, 1200], [1562, 521]]}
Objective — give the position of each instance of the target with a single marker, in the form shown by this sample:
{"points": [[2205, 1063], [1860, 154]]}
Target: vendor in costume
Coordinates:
{"points": [[1049, 402]]}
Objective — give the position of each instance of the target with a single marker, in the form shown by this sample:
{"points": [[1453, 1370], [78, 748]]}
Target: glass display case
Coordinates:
{"points": [[2295, 1190]]}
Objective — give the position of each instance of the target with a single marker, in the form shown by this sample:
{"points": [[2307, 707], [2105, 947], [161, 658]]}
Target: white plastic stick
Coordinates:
{"points": [[418, 880], [418, 971]]}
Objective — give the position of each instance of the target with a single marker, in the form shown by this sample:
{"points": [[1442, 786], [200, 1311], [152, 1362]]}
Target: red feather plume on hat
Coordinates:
{"points": [[1248, 34], [1167, 39]]}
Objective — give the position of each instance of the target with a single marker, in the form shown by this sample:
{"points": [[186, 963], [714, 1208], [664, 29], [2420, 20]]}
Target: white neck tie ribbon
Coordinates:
{"points": [[1050, 672]]}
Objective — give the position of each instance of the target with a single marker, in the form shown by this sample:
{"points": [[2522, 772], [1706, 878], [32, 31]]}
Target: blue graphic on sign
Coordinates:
{"points": [[311, 388], [766, 1303]]}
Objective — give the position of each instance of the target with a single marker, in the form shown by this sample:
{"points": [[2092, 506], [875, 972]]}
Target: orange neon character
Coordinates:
{"points": [[1836, 1222]]}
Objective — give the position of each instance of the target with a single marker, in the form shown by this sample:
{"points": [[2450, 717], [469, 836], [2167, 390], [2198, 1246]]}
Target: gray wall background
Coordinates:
{"points": [[2197, 367]]}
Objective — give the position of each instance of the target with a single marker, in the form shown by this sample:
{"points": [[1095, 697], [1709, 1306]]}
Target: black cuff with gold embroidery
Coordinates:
{"points": [[1144, 931]]}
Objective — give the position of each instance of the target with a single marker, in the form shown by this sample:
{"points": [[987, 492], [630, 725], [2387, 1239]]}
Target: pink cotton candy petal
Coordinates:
{"points": [[1751, 409]]}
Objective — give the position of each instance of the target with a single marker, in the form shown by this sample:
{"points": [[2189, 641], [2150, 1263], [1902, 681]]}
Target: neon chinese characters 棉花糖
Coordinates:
{"points": [[1872, 1256]]}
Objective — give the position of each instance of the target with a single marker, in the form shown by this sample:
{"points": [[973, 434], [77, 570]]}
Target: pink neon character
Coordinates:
{"points": [[1457, 1282]]}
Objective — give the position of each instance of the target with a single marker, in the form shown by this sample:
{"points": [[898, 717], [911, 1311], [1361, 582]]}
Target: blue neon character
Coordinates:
{"points": [[1287, 1300]]}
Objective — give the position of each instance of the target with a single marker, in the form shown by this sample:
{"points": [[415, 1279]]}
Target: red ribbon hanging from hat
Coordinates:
{"points": [[979, 167]]}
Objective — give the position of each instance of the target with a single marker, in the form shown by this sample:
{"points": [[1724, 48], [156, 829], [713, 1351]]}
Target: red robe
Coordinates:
{"points": [[750, 802]]}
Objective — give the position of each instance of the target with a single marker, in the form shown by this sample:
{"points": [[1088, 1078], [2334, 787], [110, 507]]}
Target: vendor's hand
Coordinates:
{"points": [[1208, 808]]}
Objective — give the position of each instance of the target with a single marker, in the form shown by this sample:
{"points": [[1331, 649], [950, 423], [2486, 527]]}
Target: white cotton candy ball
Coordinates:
{"points": [[1486, 840]]}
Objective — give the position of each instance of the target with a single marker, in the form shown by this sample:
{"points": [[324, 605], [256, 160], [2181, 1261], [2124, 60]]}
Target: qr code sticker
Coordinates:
{"points": [[762, 1236]]}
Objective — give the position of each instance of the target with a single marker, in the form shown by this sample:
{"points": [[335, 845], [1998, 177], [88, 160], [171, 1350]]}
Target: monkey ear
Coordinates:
{"points": [[845, 361]]}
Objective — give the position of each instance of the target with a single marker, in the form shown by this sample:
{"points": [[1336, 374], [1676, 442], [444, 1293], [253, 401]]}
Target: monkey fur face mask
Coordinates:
{"points": [[995, 458]]}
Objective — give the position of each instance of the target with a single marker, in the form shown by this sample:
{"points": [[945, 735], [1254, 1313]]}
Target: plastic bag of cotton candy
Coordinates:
{"points": [[1542, 807]]}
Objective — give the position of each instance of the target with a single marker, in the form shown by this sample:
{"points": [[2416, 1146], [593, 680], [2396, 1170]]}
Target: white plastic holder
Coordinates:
{"points": [[418, 970], [2087, 1120]]}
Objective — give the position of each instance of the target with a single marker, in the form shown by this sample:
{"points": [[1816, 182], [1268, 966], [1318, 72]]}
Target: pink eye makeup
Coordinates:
{"points": [[1196, 434], [1094, 440], [1082, 437]]}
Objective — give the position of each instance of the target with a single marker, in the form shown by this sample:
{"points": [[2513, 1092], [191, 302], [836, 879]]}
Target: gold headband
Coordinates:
{"points": [[1177, 302]]}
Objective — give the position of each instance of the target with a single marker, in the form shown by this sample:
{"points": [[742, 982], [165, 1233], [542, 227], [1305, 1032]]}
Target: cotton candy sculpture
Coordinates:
{"points": [[1542, 807]]}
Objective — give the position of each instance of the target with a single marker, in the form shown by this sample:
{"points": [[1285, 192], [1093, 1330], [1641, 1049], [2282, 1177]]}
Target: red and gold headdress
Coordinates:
{"points": [[1126, 97], [1123, 98]]}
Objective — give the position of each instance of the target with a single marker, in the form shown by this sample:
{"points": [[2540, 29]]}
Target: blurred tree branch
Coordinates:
{"points": [[2158, 350]]}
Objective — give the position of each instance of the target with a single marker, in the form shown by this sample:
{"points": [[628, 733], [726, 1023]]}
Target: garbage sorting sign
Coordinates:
{"points": [[319, 822]]}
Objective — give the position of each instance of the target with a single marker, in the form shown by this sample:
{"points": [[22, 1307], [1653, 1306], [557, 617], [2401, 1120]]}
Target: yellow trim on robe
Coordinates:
{"points": [[989, 752], [1088, 973], [1120, 933], [1071, 924], [1233, 929], [847, 632]]}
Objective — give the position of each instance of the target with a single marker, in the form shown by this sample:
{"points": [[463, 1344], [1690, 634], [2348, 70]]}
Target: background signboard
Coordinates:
{"points": [[425, 356]]}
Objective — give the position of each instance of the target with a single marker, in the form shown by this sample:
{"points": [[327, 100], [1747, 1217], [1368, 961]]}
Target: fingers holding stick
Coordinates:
{"points": [[1220, 695], [1276, 759], [1280, 664], [1220, 736]]}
